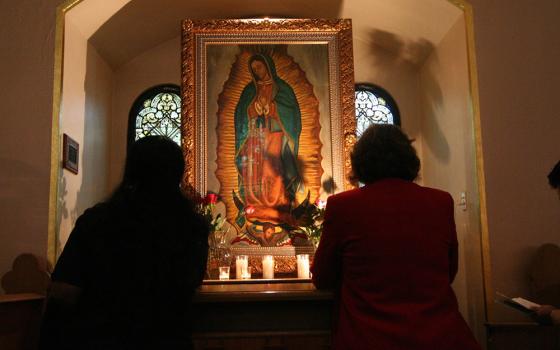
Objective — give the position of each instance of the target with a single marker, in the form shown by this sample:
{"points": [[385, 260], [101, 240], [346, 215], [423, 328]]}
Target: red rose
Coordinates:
{"points": [[211, 198], [249, 210], [321, 204]]}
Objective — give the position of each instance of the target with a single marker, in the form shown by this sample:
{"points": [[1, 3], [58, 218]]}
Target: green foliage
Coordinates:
{"points": [[205, 207], [310, 222]]}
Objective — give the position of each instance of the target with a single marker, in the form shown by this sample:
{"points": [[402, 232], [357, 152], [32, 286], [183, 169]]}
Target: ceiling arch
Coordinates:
{"points": [[123, 29]]}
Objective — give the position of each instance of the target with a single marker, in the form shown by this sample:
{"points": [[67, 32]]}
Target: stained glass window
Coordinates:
{"points": [[157, 111], [374, 105]]}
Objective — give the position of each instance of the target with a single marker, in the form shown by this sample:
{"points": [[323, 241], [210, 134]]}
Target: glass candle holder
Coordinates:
{"points": [[246, 275], [224, 272], [303, 265], [268, 267], [241, 266]]}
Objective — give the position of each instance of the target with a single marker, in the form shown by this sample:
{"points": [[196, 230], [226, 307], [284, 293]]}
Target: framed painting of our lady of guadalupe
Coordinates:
{"points": [[268, 120]]}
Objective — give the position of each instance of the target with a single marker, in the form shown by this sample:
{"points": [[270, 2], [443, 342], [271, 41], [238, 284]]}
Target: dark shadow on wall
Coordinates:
{"points": [[389, 49], [395, 55], [26, 276], [143, 24], [432, 102]]}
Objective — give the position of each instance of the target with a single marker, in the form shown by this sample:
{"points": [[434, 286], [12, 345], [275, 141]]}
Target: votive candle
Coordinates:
{"points": [[246, 275], [224, 272], [303, 265], [241, 264], [268, 267]]}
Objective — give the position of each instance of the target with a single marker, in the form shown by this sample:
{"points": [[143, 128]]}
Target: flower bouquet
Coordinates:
{"points": [[310, 221], [219, 253], [205, 207]]}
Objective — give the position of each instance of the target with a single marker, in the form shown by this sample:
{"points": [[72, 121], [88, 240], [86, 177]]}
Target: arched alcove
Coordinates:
{"points": [[417, 50]]}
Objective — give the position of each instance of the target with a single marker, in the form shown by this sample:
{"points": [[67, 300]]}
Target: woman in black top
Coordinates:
{"points": [[129, 269]]}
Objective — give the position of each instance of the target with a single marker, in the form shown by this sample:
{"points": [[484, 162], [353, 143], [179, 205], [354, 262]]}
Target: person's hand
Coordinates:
{"points": [[547, 314], [543, 310], [555, 316]]}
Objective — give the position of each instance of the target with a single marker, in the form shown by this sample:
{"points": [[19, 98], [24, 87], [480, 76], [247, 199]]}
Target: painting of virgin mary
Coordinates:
{"points": [[267, 131], [268, 151]]}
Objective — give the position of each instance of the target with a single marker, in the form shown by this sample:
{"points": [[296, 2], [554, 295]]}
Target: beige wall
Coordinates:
{"points": [[518, 75], [26, 71], [449, 161], [380, 59], [160, 65], [85, 117]]}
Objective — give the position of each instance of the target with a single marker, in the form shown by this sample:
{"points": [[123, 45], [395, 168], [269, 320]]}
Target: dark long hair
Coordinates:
{"points": [[384, 151], [153, 172]]}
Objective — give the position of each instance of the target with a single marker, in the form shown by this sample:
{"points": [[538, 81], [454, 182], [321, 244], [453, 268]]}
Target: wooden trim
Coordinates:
{"points": [[20, 297]]}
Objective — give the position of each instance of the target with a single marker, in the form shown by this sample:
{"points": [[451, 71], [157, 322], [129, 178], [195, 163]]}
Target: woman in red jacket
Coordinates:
{"points": [[389, 249]]}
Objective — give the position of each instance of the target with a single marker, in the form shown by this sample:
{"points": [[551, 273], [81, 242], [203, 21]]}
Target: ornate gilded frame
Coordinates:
{"points": [[199, 35]]}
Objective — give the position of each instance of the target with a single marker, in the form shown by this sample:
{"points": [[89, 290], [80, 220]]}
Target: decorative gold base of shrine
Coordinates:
{"points": [[285, 261], [282, 265]]}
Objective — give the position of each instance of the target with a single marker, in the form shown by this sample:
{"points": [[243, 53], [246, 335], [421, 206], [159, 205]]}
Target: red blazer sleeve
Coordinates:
{"points": [[453, 244], [327, 260]]}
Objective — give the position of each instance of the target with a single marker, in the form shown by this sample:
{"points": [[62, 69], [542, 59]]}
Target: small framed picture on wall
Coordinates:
{"points": [[71, 154]]}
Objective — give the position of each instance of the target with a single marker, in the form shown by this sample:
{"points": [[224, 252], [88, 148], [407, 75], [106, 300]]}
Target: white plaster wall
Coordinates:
{"points": [[379, 58], [449, 160], [416, 20], [85, 117], [89, 15], [519, 78], [26, 73]]}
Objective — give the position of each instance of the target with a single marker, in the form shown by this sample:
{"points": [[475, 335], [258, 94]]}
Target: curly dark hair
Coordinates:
{"points": [[384, 151], [554, 176]]}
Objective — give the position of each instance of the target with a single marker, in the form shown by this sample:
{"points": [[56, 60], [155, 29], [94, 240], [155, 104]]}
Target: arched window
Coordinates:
{"points": [[374, 105], [157, 111]]}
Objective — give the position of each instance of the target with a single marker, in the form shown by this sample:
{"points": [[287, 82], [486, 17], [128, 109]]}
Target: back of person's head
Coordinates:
{"points": [[384, 151], [554, 176], [154, 165]]}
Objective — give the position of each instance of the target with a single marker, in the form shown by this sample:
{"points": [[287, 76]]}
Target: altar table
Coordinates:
{"points": [[287, 314]]}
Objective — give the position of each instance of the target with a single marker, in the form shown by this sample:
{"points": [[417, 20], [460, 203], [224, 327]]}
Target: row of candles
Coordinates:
{"points": [[243, 270]]}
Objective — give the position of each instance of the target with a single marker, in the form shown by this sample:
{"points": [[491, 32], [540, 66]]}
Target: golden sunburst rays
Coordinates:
{"points": [[309, 154]]}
